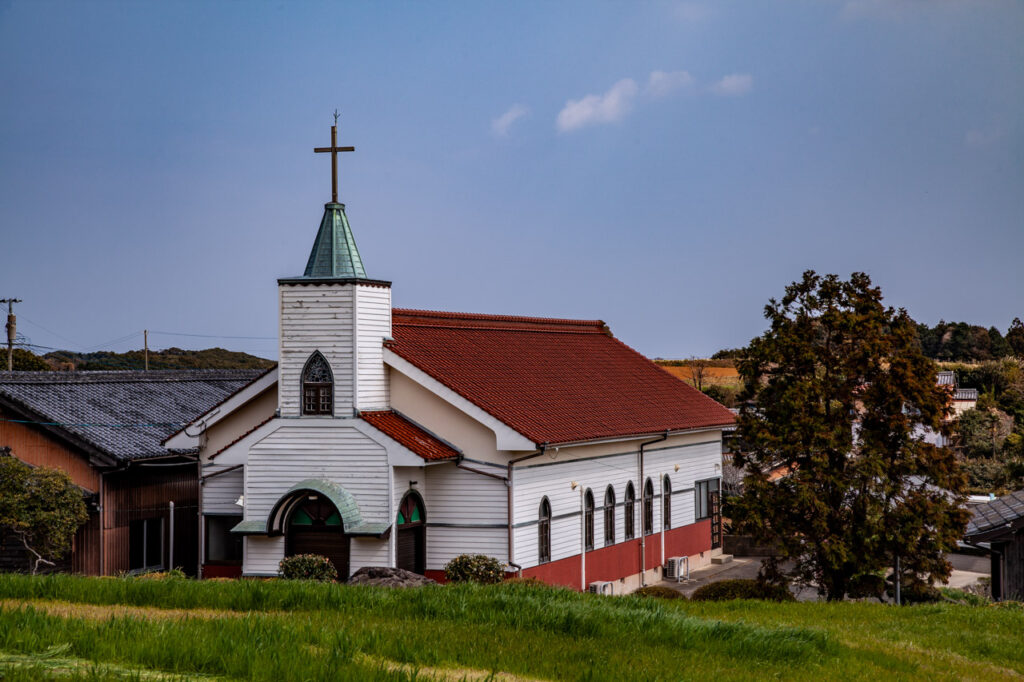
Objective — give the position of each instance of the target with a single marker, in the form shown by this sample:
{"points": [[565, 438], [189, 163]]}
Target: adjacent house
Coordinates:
{"points": [[104, 429], [997, 527]]}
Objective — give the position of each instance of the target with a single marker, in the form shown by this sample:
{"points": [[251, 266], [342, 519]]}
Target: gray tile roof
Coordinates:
{"points": [[965, 394], [1003, 512], [125, 414], [946, 378]]}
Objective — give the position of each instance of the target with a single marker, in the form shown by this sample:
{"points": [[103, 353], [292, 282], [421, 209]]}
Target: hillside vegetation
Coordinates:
{"points": [[170, 358], [96, 628]]}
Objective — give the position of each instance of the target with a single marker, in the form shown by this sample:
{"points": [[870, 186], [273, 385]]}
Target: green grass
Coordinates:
{"points": [[278, 630]]}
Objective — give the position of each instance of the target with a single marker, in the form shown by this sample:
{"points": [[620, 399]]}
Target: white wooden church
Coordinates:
{"points": [[403, 438]]}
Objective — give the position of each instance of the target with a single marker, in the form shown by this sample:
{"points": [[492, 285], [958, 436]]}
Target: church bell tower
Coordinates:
{"points": [[333, 322]]}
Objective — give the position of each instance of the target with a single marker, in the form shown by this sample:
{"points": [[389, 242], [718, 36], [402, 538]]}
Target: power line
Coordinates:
{"points": [[215, 336], [50, 331]]}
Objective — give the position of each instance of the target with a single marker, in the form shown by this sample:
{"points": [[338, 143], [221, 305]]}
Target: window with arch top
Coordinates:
{"points": [[609, 516], [588, 520], [629, 512], [317, 386], [544, 532], [666, 502], [648, 507]]}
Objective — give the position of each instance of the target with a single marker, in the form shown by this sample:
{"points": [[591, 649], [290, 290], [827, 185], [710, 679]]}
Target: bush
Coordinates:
{"points": [[308, 567], [866, 585], [659, 592], [725, 590], [913, 591], [475, 568]]}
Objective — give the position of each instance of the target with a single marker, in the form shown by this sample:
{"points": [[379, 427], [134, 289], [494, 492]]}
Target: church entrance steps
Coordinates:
{"points": [[721, 559]]}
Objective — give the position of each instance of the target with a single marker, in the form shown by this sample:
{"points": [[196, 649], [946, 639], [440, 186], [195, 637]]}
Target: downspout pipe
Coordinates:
{"points": [[643, 503], [510, 512]]}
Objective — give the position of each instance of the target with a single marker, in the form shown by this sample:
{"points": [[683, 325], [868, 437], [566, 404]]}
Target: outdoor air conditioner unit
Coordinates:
{"points": [[606, 587], [677, 568]]}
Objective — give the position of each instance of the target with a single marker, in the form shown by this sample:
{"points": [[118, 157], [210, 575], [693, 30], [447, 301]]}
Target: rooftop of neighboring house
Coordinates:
{"points": [[122, 414]]}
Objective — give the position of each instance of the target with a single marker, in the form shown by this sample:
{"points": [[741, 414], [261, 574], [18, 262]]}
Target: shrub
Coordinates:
{"points": [[308, 567], [866, 585], [739, 588], [914, 591], [476, 568], [659, 592]]}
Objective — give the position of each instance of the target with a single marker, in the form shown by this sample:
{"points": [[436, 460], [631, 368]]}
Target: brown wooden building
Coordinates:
{"points": [[106, 430], [998, 527]]}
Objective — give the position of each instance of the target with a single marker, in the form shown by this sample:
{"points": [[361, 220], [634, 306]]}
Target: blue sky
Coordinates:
{"points": [[666, 167]]}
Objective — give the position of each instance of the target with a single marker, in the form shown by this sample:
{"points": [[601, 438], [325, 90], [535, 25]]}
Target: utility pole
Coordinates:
{"points": [[145, 344], [12, 330]]}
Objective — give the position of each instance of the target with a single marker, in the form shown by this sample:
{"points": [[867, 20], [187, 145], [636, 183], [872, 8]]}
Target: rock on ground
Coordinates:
{"points": [[388, 577]]}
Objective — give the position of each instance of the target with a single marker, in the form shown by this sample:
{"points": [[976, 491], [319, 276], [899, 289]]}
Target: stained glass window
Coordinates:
{"points": [[410, 510]]}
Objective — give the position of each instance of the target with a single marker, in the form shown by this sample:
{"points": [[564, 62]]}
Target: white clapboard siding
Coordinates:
{"points": [[467, 513], [261, 555], [532, 483], [365, 552], [373, 325], [221, 492], [445, 543], [317, 448], [315, 317]]}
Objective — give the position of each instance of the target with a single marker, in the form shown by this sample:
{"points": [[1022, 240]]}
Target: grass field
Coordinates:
{"points": [[95, 628]]}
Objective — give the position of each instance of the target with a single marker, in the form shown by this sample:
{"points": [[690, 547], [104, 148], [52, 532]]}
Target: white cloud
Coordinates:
{"points": [[663, 83], [733, 85], [500, 125], [593, 109]]}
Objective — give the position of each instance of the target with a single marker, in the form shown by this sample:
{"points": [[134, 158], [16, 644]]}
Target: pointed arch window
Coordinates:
{"points": [[666, 502], [629, 513], [317, 386], [544, 532], [609, 516], [588, 520], [648, 507]]}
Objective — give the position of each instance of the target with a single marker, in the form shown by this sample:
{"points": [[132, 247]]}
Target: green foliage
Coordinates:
{"points": [[40, 508], [728, 353], [658, 592], [962, 342], [741, 588], [24, 361], [170, 358], [308, 567], [477, 568], [726, 395], [835, 362]]}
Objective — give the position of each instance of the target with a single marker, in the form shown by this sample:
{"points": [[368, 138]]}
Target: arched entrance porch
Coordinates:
{"points": [[314, 526]]}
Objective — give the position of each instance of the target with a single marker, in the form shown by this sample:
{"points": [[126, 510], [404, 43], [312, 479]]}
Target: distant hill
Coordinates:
{"points": [[171, 358]]}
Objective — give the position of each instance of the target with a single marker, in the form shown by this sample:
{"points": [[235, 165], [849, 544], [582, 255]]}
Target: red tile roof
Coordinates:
{"points": [[409, 434], [554, 381]]}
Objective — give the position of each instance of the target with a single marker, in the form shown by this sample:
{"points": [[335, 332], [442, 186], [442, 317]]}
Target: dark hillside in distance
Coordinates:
{"points": [[170, 358]]}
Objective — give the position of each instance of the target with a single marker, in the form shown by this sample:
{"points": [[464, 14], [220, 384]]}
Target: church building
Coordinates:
{"points": [[403, 438]]}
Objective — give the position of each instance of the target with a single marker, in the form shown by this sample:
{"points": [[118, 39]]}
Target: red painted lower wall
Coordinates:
{"points": [[623, 559], [218, 571]]}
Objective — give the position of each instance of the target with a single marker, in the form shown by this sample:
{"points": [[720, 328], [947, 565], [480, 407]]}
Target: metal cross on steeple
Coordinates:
{"points": [[334, 149]]}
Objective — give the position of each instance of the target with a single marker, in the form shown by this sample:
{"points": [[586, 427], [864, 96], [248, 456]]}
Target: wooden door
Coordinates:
{"points": [[315, 527], [411, 540]]}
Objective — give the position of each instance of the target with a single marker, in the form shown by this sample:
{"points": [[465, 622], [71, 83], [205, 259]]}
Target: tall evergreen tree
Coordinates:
{"points": [[838, 394]]}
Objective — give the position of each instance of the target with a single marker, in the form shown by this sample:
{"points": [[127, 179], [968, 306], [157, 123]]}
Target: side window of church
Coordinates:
{"points": [[544, 532], [223, 546], [629, 512], [146, 544], [317, 386], [648, 507], [702, 505]]}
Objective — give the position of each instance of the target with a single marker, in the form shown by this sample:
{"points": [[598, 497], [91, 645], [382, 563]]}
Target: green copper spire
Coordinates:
{"points": [[334, 253]]}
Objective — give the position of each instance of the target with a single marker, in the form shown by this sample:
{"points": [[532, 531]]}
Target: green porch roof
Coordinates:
{"points": [[334, 253], [342, 500]]}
